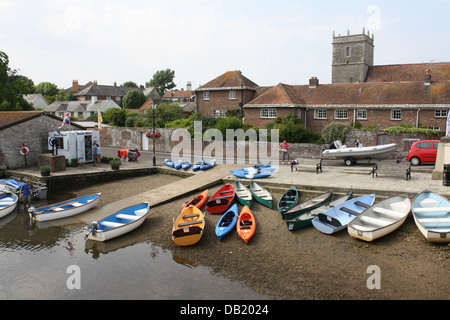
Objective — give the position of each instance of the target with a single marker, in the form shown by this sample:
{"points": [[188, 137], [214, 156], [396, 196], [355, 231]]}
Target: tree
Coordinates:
{"points": [[162, 81], [134, 99], [47, 89], [129, 84], [166, 113], [12, 87], [115, 117]]}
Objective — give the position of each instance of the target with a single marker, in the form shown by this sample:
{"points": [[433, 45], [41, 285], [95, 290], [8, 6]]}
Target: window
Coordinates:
{"points": [[267, 113], [396, 114], [232, 95], [219, 113], [206, 95], [440, 113], [361, 114], [320, 114], [347, 52], [341, 114]]}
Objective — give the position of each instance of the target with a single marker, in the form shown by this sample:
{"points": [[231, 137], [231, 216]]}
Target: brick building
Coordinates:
{"points": [[379, 96]]}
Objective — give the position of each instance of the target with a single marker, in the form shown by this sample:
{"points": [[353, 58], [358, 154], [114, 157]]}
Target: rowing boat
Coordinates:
{"points": [[338, 217], [288, 200], [308, 205], [118, 223], [305, 219], [197, 201], [221, 200], [255, 172], [261, 194], [188, 227], [243, 195], [65, 209], [227, 222], [380, 219], [246, 224], [432, 216], [8, 202]]}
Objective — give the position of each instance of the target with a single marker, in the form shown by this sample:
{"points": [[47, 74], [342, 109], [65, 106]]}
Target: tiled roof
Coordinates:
{"points": [[399, 93], [178, 94], [408, 72], [102, 90], [229, 80], [11, 118]]}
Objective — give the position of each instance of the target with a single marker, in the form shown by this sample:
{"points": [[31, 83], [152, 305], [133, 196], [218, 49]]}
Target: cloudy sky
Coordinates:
{"points": [[271, 42]]}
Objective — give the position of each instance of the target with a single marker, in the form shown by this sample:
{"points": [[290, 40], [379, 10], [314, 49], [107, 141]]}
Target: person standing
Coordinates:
{"points": [[284, 148], [25, 193], [99, 154], [94, 153]]}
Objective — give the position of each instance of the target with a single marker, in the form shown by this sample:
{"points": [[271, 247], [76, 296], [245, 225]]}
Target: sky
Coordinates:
{"points": [[271, 42]]}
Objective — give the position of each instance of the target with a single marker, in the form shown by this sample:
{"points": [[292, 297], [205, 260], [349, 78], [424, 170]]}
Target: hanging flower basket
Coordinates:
{"points": [[157, 134]]}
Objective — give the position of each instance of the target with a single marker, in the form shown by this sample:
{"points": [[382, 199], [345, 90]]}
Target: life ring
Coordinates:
{"points": [[24, 151]]}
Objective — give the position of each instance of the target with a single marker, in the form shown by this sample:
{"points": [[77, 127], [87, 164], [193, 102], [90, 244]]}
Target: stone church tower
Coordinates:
{"points": [[352, 57]]}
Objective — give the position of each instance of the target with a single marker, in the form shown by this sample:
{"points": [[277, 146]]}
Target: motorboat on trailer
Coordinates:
{"points": [[351, 155]]}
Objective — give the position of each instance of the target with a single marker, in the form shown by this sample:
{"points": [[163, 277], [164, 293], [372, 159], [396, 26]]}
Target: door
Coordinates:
{"points": [[145, 141]]}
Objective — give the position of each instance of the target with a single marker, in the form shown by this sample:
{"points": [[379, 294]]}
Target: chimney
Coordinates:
{"points": [[313, 82], [189, 86], [115, 84], [95, 82], [75, 85], [428, 77]]}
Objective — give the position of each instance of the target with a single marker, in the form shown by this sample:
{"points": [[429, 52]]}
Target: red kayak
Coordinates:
{"points": [[222, 200]]}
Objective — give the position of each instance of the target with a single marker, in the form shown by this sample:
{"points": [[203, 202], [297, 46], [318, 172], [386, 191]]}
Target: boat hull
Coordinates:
{"points": [[375, 152], [246, 224], [243, 194], [432, 216], [381, 219], [308, 205], [261, 194], [288, 200], [227, 222], [8, 203], [188, 227], [114, 226], [337, 218], [47, 213]]}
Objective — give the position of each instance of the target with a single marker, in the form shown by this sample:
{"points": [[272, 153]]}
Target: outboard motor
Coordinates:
{"points": [[31, 212], [93, 231]]}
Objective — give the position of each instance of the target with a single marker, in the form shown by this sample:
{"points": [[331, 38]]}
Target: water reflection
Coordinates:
{"points": [[35, 259]]}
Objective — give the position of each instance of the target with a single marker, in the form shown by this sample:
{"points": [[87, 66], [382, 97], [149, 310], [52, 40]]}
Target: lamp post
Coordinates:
{"points": [[153, 135]]}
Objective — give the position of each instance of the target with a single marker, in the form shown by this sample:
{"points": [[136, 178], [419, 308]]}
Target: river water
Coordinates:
{"points": [[48, 261]]}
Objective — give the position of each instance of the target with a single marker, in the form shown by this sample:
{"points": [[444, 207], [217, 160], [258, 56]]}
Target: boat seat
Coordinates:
{"points": [[349, 211], [189, 223], [392, 213], [111, 224], [434, 220], [360, 227], [375, 221], [432, 209], [362, 204], [191, 215], [140, 212], [76, 204], [56, 209], [127, 216]]}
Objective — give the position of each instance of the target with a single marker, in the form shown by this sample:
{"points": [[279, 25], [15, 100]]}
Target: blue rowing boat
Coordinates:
{"points": [[338, 217]]}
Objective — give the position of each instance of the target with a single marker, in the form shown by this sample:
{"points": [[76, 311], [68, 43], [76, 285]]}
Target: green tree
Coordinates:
{"points": [[47, 89], [335, 131], [130, 84], [115, 117], [166, 112], [162, 81], [134, 99]]}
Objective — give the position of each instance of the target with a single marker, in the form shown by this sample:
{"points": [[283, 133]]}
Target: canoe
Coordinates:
{"points": [[65, 209], [255, 172], [221, 200], [380, 219], [197, 165], [118, 223], [8, 202], [432, 216], [188, 227], [308, 205], [261, 194], [177, 165], [243, 194], [186, 165], [288, 200], [208, 165], [197, 201], [169, 163], [350, 155], [246, 224], [305, 219], [338, 217], [227, 222]]}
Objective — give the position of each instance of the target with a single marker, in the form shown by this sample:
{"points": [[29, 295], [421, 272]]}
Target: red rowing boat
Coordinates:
{"points": [[222, 200]]}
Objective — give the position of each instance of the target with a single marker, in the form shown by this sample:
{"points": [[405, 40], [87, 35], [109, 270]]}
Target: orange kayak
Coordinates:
{"points": [[197, 201], [246, 224]]}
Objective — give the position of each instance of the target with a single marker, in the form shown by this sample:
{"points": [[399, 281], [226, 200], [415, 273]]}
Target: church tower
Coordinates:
{"points": [[352, 57]]}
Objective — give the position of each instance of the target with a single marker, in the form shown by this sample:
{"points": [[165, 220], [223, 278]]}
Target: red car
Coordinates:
{"points": [[423, 151]]}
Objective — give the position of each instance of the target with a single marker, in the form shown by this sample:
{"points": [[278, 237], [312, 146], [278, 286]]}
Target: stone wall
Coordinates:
{"points": [[133, 138]]}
